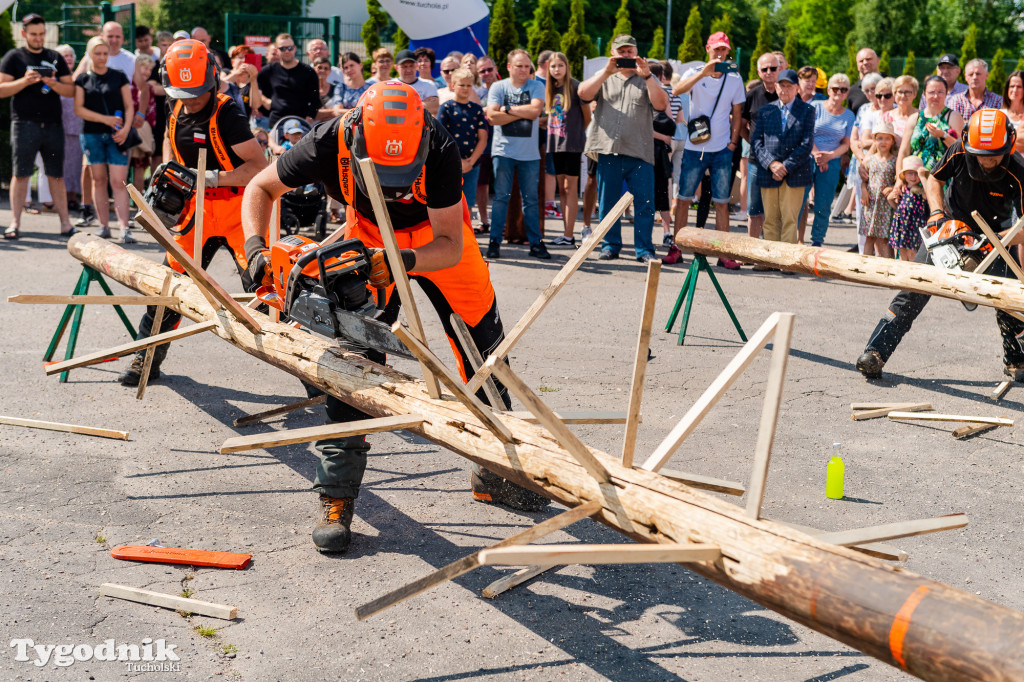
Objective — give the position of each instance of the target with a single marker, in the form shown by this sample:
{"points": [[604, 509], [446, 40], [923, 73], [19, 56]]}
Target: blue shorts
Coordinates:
{"points": [[101, 148], [695, 164]]}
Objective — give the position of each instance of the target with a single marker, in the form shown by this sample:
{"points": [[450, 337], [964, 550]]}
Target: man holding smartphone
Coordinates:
{"points": [[713, 134], [627, 95], [35, 78]]}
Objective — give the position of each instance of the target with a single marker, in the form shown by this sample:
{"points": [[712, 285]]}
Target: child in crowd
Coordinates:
{"points": [[465, 121], [881, 168], [292, 134], [568, 119], [911, 211]]}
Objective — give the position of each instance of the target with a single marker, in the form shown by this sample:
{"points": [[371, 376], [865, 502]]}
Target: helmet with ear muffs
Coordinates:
{"points": [[189, 70], [988, 133]]}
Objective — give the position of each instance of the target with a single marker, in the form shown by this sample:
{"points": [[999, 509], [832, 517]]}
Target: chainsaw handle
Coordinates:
{"points": [[336, 249]]}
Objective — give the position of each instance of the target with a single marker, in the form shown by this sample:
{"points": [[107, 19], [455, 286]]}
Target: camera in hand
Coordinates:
{"points": [[625, 62], [170, 190]]}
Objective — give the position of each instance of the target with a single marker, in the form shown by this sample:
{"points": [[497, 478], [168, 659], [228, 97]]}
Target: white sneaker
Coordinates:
{"points": [[562, 240], [586, 233], [740, 215], [127, 238]]}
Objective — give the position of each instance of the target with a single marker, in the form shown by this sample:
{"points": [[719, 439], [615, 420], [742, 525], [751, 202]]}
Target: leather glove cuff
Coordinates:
{"points": [[254, 245]]}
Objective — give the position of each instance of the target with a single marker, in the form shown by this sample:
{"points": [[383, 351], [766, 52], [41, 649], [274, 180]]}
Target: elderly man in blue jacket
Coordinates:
{"points": [[781, 142]]}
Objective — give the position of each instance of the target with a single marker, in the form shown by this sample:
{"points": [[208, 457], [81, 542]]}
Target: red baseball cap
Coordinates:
{"points": [[718, 38]]}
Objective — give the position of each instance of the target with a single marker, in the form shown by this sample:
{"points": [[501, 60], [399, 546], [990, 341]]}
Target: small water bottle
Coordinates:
{"points": [[46, 88], [835, 474], [118, 114]]}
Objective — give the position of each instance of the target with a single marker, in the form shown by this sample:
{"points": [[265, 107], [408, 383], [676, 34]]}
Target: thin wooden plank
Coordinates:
{"points": [[770, 413], [197, 228], [1001, 390], [207, 284], [158, 319], [476, 360], [997, 245], [993, 254], [973, 430], [566, 438], [261, 416], [435, 367], [879, 406], [717, 485], [311, 433], [875, 549], [580, 417], [558, 555], [468, 563], [511, 580], [861, 415], [169, 601], [387, 233], [891, 531], [537, 307], [711, 396], [57, 299], [909, 416], [67, 428], [128, 348], [243, 297], [643, 345], [275, 236]]}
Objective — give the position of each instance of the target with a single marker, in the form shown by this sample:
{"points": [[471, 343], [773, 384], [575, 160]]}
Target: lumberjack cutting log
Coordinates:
{"points": [[984, 185], [420, 173]]}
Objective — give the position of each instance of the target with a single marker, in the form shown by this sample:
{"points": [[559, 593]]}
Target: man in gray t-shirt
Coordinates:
{"points": [[513, 107], [623, 139]]}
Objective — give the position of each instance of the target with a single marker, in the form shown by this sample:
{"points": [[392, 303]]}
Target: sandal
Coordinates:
{"points": [[11, 233], [31, 209], [49, 207]]}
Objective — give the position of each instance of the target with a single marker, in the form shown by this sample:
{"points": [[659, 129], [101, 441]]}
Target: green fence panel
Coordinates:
{"points": [[302, 29]]}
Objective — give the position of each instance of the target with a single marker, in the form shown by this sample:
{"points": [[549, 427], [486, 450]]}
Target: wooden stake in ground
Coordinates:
{"points": [[128, 348], [643, 346], [476, 360], [169, 601], [197, 229], [158, 318], [261, 416], [401, 277], [537, 307], [309, 434], [68, 428]]}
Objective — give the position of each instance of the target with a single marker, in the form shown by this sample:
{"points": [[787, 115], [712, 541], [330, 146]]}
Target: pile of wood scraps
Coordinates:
{"points": [[920, 412]]}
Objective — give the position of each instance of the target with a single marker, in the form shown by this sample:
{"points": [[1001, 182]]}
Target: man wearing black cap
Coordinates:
{"points": [[405, 62], [949, 68]]}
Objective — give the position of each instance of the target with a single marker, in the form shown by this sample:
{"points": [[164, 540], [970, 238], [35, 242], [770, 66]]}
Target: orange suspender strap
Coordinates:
{"points": [[220, 149], [172, 127], [347, 180]]}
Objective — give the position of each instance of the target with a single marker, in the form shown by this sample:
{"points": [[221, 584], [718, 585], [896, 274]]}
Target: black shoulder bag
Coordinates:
{"points": [[699, 129]]}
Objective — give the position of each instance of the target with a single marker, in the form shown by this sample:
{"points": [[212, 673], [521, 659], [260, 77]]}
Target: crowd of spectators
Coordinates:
{"points": [[796, 146]]}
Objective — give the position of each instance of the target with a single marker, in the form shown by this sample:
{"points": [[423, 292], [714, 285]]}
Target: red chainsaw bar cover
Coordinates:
{"points": [[177, 555]]}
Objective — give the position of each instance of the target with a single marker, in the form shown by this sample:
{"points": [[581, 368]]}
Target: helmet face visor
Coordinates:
{"points": [[980, 173]]}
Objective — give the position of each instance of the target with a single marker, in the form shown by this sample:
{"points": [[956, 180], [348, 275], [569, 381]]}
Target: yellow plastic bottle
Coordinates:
{"points": [[835, 474]]}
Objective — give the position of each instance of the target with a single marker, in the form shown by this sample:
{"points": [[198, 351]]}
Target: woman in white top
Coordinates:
{"points": [[904, 90]]}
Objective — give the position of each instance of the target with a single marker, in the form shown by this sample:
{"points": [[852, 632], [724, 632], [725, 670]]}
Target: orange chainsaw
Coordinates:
{"points": [[324, 288], [953, 245]]}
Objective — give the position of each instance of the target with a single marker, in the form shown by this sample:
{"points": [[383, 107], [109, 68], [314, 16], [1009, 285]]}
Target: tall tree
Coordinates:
{"points": [[764, 44], [542, 34], [576, 43], [622, 23], [173, 14], [1020, 65], [789, 49], [723, 24], [883, 62], [692, 47], [821, 27], [370, 32], [969, 48], [909, 67], [997, 75], [504, 36], [851, 63], [657, 50], [400, 40]]}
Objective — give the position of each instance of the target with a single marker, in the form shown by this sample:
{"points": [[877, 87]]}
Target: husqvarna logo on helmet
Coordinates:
{"points": [[393, 148], [185, 75]]}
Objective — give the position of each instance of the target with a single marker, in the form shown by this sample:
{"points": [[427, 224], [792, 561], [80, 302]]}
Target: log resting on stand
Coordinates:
{"points": [[931, 630]]}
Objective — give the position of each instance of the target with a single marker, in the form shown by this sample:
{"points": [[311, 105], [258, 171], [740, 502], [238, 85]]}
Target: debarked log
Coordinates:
{"points": [[981, 289], [929, 629]]}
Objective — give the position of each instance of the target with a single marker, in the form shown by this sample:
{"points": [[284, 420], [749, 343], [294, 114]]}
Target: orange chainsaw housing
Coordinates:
{"points": [[283, 256], [951, 228]]}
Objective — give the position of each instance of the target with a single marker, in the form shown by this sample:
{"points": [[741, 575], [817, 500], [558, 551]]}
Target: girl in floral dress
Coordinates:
{"points": [[881, 168], [911, 209]]}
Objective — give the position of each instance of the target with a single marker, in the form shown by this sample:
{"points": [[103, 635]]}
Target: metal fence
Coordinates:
{"points": [[302, 29], [80, 22]]}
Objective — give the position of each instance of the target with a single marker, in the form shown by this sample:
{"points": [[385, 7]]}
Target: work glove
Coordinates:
{"points": [[212, 177], [935, 220], [258, 256], [380, 272]]}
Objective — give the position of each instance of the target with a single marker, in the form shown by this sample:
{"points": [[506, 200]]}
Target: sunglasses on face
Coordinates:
{"points": [[884, 95], [448, 70], [486, 70], [908, 93], [772, 69], [840, 89], [286, 48]]}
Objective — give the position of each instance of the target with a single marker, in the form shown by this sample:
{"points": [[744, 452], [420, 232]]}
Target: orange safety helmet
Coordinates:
{"points": [[188, 70], [390, 127], [989, 133]]}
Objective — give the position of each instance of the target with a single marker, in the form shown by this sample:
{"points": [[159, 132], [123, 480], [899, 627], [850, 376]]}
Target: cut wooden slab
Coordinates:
{"points": [[1001, 390], [643, 346], [244, 297], [582, 417], [68, 428], [158, 320], [128, 348], [557, 555], [885, 411], [891, 531], [717, 485], [261, 416], [58, 299], [306, 435], [909, 416], [169, 601], [559, 280], [511, 580], [974, 430]]}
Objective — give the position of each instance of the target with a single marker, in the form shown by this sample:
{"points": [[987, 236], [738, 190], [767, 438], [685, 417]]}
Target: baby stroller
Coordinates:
{"points": [[304, 206]]}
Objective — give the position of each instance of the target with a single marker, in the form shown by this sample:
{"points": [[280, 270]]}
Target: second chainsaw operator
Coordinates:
{"points": [[420, 171]]}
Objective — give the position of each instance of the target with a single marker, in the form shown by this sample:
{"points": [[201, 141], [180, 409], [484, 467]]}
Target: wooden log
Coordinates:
{"points": [[643, 346], [853, 598], [968, 431], [311, 433], [1001, 390], [262, 416], [511, 580], [560, 555], [969, 287], [158, 319], [581, 417], [909, 416], [169, 601], [891, 531], [68, 428], [861, 415], [57, 299], [128, 348]]}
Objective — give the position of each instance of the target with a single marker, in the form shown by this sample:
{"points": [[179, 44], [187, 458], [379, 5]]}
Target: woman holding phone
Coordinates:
{"points": [[243, 75], [103, 100]]}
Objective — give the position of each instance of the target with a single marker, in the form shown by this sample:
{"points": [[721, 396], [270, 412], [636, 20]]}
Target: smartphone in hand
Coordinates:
{"points": [[625, 62], [254, 59], [726, 67]]}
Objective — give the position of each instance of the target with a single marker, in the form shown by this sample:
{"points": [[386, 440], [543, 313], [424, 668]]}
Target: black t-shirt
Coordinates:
{"points": [[756, 99], [103, 96], [32, 104], [294, 91], [994, 201], [856, 99], [231, 122], [315, 159]]}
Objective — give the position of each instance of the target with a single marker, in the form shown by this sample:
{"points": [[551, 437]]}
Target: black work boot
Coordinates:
{"points": [[332, 534], [1014, 371], [870, 364], [493, 489], [133, 373]]}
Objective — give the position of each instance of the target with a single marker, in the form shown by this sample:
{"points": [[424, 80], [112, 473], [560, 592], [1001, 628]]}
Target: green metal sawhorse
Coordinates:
{"points": [[73, 312], [689, 291]]}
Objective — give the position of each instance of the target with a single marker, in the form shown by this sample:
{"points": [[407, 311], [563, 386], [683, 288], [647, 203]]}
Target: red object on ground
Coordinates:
{"points": [[177, 555]]}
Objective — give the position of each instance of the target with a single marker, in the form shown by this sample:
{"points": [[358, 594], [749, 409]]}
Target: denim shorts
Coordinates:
{"points": [[101, 148], [694, 166], [29, 138]]}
